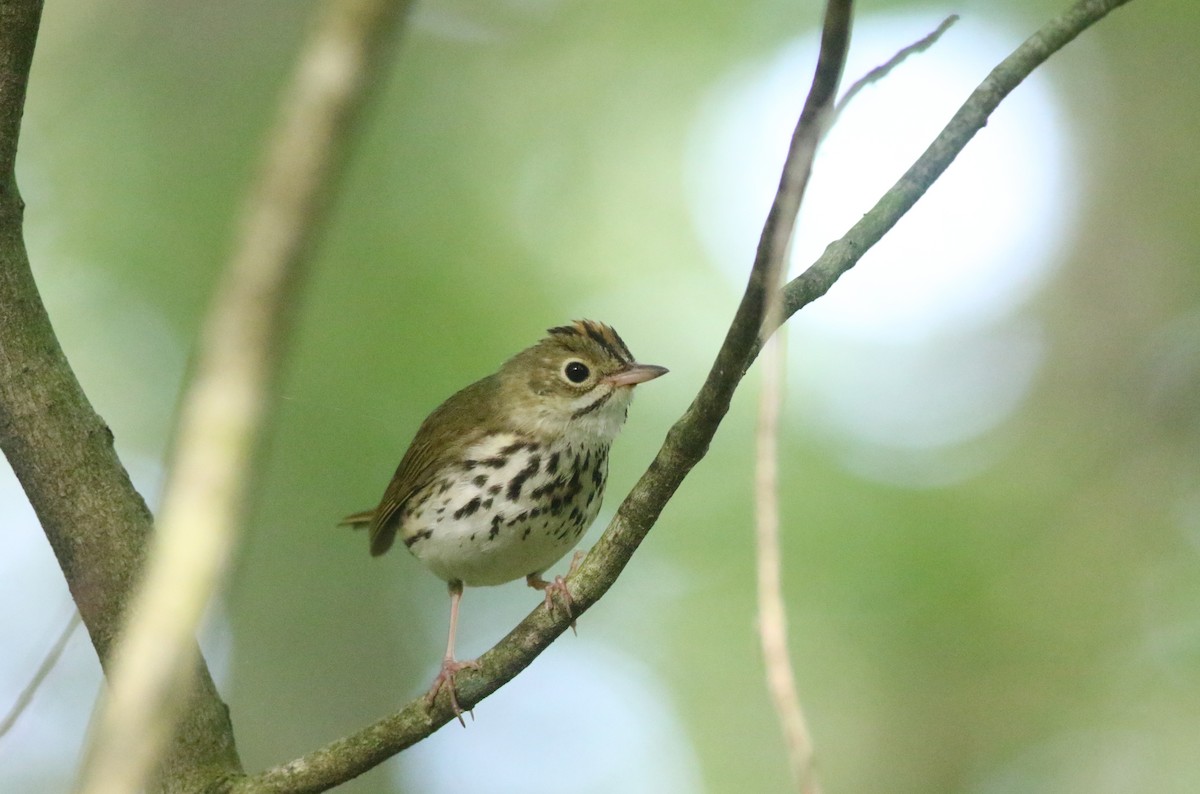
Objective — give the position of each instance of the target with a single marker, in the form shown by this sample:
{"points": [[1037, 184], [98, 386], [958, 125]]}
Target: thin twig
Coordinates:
{"points": [[225, 406], [772, 610], [39, 675], [772, 614], [844, 253], [686, 443], [884, 69]]}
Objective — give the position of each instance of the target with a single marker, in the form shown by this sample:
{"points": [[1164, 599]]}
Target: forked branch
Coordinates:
{"points": [[970, 118], [50, 434], [688, 440]]}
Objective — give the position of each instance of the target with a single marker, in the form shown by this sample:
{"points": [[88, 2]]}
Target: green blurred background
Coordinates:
{"points": [[1011, 604]]}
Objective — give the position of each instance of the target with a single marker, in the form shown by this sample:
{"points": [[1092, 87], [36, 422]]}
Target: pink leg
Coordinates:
{"points": [[450, 665], [559, 586]]}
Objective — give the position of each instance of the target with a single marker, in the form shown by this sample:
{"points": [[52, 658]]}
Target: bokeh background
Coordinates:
{"points": [[992, 445]]}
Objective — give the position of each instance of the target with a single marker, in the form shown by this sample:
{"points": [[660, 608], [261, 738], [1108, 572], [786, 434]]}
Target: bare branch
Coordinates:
{"points": [[224, 408], [843, 254], [61, 451], [776, 239], [884, 69], [772, 612], [685, 445], [51, 436], [48, 661], [772, 615], [355, 754]]}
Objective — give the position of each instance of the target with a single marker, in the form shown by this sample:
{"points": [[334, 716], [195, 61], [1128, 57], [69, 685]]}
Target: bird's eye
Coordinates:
{"points": [[576, 371]]}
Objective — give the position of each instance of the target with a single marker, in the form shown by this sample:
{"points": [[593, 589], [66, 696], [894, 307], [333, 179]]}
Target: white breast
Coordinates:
{"points": [[513, 508]]}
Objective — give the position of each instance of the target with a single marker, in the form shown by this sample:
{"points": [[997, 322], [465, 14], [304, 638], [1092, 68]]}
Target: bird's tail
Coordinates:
{"points": [[358, 520], [382, 536]]}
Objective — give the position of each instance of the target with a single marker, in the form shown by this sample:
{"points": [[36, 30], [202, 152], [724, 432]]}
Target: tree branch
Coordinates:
{"points": [[885, 68], [48, 661], [351, 756], [686, 442], [62, 452], [98, 525], [772, 611], [843, 254], [224, 408], [815, 118]]}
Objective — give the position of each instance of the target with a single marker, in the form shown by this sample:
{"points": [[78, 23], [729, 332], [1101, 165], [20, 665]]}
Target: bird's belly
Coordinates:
{"points": [[480, 536], [471, 553]]}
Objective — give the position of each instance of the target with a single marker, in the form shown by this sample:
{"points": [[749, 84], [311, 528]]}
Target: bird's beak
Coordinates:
{"points": [[635, 374]]}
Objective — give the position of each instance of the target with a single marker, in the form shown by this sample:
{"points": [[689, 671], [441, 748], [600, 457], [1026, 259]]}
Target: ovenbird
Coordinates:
{"points": [[504, 477]]}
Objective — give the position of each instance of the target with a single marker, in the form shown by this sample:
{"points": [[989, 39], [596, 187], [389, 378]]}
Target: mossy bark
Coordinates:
{"points": [[62, 452]]}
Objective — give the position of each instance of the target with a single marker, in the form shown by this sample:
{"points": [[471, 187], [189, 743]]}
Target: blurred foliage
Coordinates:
{"points": [[1032, 628]]}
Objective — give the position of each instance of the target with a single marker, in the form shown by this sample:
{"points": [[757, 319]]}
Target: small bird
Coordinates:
{"points": [[504, 477]]}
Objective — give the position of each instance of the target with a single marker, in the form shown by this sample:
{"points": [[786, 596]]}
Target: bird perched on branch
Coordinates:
{"points": [[505, 476]]}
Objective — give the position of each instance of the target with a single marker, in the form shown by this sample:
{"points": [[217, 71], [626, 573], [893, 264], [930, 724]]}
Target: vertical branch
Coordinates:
{"points": [[236, 371], [61, 451], [772, 614]]}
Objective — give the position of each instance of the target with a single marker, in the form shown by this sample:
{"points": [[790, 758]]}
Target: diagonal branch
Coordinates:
{"points": [[884, 69], [686, 442], [844, 253], [99, 524], [62, 452], [226, 405], [39, 676], [355, 754]]}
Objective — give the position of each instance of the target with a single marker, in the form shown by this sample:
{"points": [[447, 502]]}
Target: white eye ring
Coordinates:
{"points": [[576, 372]]}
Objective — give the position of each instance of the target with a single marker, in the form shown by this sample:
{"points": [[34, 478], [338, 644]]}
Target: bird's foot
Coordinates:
{"points": [[558, 587], [445, 680]]}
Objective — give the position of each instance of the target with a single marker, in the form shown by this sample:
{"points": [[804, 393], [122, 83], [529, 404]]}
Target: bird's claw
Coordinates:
{"points": [[559, 587], [445, 680]]}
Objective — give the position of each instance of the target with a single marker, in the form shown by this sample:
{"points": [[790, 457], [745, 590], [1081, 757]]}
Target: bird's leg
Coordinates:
{"points": [[450, 665], [559, 586]]}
